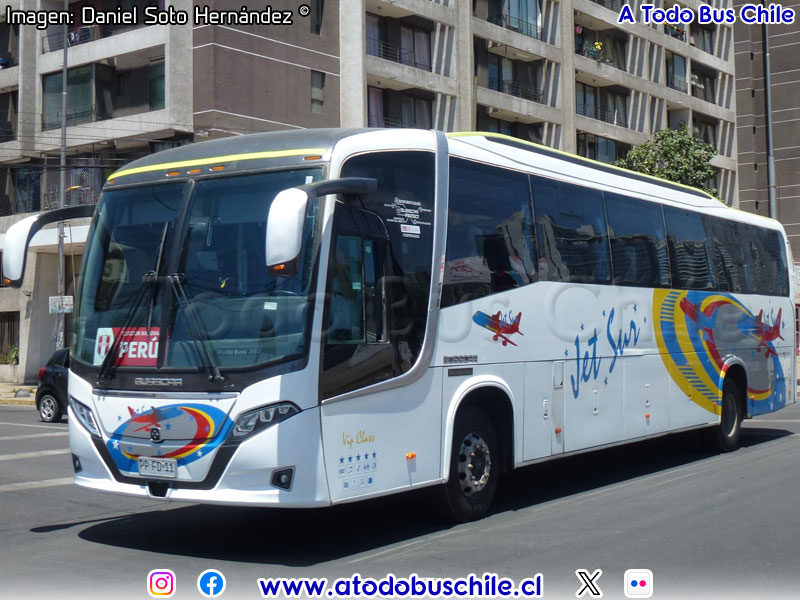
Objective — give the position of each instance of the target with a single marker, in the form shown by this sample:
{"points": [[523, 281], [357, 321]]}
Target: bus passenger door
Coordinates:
{"points": [[373, 326]]}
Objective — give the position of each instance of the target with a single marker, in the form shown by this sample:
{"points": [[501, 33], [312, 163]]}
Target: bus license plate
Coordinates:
{"points": [[158, 467]]}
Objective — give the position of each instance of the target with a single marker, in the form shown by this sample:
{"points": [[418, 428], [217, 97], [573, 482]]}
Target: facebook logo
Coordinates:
{"points": [[211, 583]]}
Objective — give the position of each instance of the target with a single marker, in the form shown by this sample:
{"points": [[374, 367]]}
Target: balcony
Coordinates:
{"points": [[375, 121], [80, 35], [675, 31], [8, 60], [515, 24], [7, 132], [396, 54], [515, 89], [677, 83], [612, 116], [615, 5], [75, 116], [589, 50]]}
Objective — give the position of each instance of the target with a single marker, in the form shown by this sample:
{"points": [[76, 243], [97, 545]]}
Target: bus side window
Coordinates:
{"points": [[491, 245], [572, 232], [638, 242], [689, 242]]}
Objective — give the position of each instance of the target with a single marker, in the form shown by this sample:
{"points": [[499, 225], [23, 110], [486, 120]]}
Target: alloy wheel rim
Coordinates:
{"points": [[48, 408], [474, 464]]}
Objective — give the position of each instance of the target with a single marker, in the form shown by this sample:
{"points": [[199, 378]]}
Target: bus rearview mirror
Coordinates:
{"points": [[287, 214], [19, 236]]}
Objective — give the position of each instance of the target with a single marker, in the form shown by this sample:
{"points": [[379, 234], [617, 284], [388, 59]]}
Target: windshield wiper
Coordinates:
{"points": [[197, 331], [108, 364], [149, 280]]}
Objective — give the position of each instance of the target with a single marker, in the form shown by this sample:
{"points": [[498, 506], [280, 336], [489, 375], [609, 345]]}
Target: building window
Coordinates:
{"points": [[9, 338], [317, 7], [703, 85], [27, 190], [415, 43], [524, 16], [388, 108], [8, 117], [157, 87], [89, 100], [600, 148], [317, 91], [703, 37], [676, 72], [705, 130]]}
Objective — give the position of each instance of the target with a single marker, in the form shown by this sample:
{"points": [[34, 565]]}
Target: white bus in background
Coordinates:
{"points": [[307, 318]]}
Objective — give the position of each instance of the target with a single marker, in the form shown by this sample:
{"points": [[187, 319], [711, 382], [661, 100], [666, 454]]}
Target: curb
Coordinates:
{"points": [[17, 402]]}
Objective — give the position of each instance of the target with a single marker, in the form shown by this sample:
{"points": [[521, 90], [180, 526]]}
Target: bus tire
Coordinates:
{"points": [[725, 436], [474, 467]]}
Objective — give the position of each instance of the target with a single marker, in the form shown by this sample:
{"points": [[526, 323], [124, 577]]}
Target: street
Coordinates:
{"points": [[707, 526]]}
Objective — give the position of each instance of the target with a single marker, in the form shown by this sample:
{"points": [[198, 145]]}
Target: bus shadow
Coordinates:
{"points": [[302, 538], [585, 472]]}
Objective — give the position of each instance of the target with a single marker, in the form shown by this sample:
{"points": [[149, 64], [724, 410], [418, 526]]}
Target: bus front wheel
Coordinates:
{"points": [[474, 466], [725, 436]]}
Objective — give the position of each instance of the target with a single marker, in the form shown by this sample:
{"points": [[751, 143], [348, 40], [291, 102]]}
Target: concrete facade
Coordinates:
{"points": [[539, 76], [784, 42], [528, 68]]}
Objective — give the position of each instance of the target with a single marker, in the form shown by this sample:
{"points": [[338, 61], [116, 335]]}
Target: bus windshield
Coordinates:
{"points": [[183, 264]]}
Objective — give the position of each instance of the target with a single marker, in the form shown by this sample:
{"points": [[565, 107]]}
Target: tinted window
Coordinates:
{"points": [[571, 231], [638, 242], [732, 263], [769, 258], [690, 250], [379, 272], [490, 239]]}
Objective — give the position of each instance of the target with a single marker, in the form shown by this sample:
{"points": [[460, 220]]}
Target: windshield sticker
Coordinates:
{"points": [[138, 347], [409, 215]]}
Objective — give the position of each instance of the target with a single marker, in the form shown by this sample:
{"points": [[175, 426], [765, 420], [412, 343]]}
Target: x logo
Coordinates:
{"points": [[589, 586]]}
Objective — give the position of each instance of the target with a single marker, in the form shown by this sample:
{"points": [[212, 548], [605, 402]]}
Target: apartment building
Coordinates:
{"points": [[784, 43], [561, 73]]}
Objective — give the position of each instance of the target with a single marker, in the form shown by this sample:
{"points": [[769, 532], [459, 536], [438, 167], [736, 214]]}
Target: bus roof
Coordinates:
{"points": [[475, 138], [236, 153]]}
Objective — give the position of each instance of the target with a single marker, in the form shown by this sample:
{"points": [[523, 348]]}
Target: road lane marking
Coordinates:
{"points": [[30, 485], [33, 454], [50, 427], [30, 436]]}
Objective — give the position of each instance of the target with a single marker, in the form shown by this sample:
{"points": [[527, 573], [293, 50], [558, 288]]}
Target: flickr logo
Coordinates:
{"points": [[638, 583], [161, 583]]}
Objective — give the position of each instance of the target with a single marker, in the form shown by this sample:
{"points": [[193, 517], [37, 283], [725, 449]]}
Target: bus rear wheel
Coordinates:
{"points": [[725, 436], [474, 467]]}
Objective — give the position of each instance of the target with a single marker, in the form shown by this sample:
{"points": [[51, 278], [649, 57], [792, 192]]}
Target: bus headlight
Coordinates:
{"points": [[85, 416], [261, 418]]}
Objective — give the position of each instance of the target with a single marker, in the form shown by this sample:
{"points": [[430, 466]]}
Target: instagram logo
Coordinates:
{"points": [[161, 583], [638, 583]]}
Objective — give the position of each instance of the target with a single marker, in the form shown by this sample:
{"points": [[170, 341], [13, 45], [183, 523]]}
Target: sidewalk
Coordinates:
{"points": [[9, 391]]}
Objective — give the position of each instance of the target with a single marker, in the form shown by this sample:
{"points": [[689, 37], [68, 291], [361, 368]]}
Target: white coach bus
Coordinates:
{"points": [[314, 317]]}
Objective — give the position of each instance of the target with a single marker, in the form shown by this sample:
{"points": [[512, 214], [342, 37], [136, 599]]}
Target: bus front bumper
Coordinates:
{"points": [[240, 474]]}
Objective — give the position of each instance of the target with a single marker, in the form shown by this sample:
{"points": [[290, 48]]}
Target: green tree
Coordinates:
{"points": [[675, 155]]}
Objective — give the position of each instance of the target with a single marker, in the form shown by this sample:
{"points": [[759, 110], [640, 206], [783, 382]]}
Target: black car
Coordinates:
{"points": [[51, 397]]}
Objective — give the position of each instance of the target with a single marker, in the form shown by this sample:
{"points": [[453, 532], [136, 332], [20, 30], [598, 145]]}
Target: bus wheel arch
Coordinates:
{"points": [[479, 447]]}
